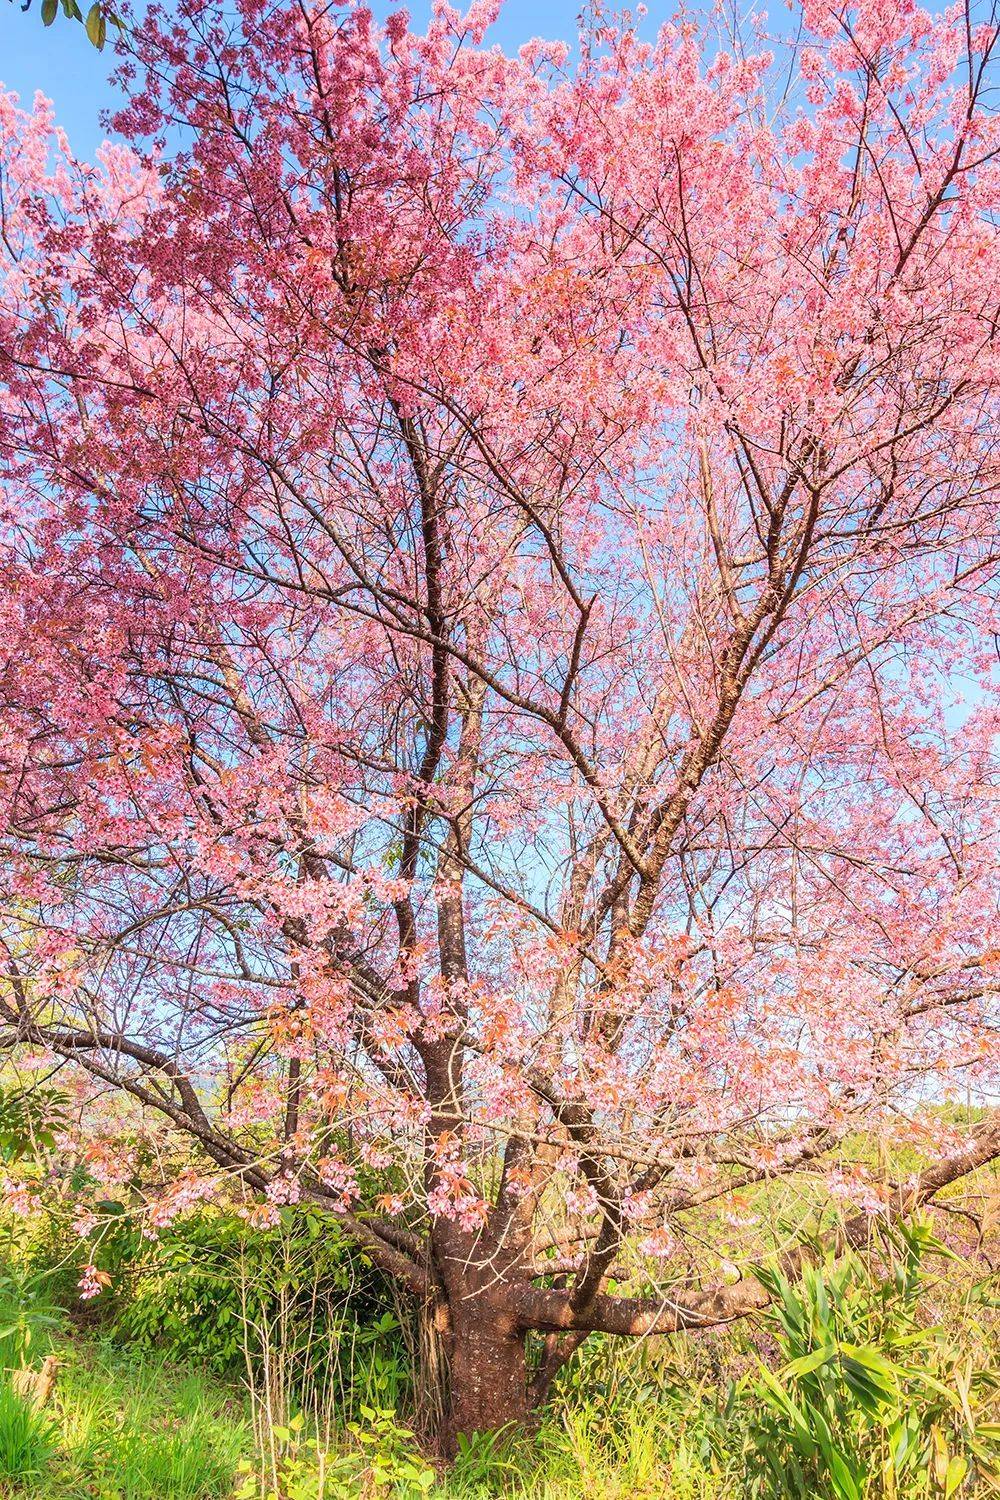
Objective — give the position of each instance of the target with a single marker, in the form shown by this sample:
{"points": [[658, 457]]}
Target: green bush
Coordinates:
{"points": [[29, 1316], [217, 1291], [869, 1401], [51, 1250]]}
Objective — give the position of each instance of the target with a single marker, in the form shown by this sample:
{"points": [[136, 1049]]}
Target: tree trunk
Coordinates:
{"points": [[489, 1374]]}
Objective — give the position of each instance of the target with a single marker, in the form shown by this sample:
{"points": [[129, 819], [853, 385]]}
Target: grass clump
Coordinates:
{"points": [[128, 1428], [27, 1439]]}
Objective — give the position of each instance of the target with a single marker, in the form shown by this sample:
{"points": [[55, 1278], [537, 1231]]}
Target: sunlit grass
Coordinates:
{"points": [[125, 1428]]}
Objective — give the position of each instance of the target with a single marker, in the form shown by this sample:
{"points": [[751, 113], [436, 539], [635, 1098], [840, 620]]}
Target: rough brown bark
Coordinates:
{"points": [[489, 1374]]}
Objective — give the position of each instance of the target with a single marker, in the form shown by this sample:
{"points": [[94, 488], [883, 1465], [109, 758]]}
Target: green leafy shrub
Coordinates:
{"points": [[869, 1400], [51, 1249], [381, 1458], [29, 1316], [217, 1291], [30, 1120]]}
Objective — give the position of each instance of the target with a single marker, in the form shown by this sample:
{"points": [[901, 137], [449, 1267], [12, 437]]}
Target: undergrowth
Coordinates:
{"points": [[868, 1379]]}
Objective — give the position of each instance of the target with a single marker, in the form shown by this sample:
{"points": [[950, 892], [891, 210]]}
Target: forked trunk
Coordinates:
{"points": [[488, 1377]]}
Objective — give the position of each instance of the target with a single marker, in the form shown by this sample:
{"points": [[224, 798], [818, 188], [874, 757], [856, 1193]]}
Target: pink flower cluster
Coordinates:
{"points": [[188, 1190], [17, 1197], [92, 1282]]}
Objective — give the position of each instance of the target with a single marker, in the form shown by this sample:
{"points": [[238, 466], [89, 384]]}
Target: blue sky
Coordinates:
{"points": [[59, 60]]}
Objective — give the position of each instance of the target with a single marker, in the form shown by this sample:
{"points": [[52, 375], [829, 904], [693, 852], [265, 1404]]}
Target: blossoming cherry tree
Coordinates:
{"points": [[499, 564]]}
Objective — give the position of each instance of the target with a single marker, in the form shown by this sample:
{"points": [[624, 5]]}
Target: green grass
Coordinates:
{"points": [[27, 1438], [127, 1428], [120, 1424]]}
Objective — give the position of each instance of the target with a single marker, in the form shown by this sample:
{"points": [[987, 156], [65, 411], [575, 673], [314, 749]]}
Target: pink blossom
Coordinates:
{"points": [[18, 1197], [92, 1282]]}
